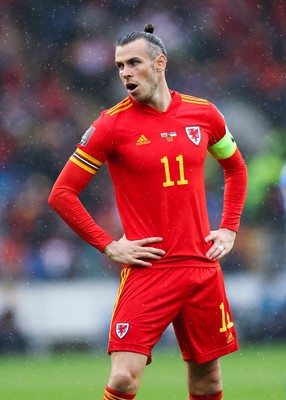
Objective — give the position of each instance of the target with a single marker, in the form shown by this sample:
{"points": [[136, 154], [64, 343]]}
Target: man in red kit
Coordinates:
{"points": [[155, 143]]}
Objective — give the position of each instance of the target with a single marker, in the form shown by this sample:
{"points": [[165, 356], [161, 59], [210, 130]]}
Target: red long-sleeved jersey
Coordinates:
{"points": [[156, 162]]}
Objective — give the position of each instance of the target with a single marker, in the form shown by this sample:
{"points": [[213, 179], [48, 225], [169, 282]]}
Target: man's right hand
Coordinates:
{"points": [[134, 252]]}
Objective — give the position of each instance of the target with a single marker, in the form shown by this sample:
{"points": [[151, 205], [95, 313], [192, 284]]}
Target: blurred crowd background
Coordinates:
{"points": [[57, 75]]}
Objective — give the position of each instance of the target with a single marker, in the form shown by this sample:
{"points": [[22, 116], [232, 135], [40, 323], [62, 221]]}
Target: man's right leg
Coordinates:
{"points": [[126, 372], [141, 299]]}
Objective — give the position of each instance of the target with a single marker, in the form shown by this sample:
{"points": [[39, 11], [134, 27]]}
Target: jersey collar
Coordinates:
{"points": [[174, 105]]}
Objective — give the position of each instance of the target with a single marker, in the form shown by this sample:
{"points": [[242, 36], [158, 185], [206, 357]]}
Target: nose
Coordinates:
{"points": [[125, 72]]}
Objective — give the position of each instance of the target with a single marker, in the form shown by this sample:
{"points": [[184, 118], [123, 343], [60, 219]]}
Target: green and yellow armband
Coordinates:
{"points": [[223, 149]]}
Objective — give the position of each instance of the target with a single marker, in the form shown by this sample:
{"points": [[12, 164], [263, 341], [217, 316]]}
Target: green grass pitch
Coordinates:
{"points": [[253, 373]]}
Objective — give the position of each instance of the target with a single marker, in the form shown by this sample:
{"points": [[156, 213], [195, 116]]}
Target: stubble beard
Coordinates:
{"points": [[151, 86], [147, 97]]}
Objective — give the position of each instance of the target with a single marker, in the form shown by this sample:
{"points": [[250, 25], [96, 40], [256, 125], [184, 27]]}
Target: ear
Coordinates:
{"points": [[161, 63]]}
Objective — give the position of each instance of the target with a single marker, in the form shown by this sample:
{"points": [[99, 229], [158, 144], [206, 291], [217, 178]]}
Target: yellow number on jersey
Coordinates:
{"points": [[168, 181]]}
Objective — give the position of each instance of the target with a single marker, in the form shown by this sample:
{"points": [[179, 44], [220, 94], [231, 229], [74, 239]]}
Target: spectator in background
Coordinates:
{"points": [[11, 338], [46, 94], [283, 196], [283, 186]]}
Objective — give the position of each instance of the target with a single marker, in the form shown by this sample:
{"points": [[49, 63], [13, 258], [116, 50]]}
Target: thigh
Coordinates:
{"points": [[148, 301], [204, 327]]}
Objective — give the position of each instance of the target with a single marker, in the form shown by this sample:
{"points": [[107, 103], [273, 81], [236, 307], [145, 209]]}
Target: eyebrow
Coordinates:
{"points": [[129, 61]]}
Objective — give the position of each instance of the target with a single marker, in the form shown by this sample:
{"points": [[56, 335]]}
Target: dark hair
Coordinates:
{"points": [[155, 44]]}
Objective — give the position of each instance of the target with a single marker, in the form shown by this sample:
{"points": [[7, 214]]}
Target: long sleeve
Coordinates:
{"points": [[64, 199], [235, 173]]}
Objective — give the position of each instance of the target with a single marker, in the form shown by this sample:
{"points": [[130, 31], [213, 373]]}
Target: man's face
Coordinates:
{"points": [[136, 70]]}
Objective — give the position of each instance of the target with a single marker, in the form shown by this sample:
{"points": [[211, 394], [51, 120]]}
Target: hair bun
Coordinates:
{"points": [[149, 28]]}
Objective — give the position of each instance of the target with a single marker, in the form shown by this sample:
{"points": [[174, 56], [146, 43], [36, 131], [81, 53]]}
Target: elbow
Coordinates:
{"points": [[52, 199], [59, 198]]}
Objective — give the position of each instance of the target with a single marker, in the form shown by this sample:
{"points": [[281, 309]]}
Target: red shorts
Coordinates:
{"points": [[193, 299]]}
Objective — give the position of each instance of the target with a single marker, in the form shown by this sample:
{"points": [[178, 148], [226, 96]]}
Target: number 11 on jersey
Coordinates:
{"points": [[168, 180]]}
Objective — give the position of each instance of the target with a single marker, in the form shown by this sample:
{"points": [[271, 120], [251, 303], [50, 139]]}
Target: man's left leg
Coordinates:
{"points": [[205, 331], [204, 380]]}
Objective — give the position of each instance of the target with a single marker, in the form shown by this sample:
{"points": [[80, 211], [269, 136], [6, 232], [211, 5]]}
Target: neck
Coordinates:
{"points": [[161, 99]]}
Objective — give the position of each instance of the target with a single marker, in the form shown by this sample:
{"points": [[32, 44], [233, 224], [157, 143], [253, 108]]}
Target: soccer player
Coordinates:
{"points": [[155, 143]]}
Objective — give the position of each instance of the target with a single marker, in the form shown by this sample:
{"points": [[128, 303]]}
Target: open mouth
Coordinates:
{"points": [[131, 87]]}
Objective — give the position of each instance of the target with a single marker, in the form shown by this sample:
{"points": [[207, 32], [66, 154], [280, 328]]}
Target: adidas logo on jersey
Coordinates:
{"points": [[142, 140]]}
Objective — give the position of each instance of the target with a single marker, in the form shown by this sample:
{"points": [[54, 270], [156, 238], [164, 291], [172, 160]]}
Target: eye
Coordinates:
{"points": [[134, 62], [119, 66]]}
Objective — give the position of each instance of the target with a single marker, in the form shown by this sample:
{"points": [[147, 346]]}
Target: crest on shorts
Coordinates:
{"points": [[194, 134], [121, 329]]}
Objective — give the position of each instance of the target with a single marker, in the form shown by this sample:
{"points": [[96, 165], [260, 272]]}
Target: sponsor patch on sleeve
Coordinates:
{"points": [[85, 138]]}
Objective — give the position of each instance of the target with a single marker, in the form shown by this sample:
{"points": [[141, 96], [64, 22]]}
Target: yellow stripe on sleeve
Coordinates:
{"points": [[123, 105], [118, 105], [120, 109], [82, 165], [194, 100], [89, 158]]}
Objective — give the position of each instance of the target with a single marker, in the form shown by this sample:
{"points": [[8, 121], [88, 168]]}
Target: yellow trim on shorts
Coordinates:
{"points": [[124, 275]]}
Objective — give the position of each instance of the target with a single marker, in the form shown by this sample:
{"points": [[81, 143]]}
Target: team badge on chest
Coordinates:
{"points": [[121, 329], [194, 134]]}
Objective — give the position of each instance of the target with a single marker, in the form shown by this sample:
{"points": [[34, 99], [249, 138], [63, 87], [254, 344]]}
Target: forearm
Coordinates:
{"points": [[71, 210], [235, 173], [65, 201]]}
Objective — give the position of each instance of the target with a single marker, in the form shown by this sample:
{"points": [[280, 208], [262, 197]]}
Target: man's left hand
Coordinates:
{"points": [[223, 241]]}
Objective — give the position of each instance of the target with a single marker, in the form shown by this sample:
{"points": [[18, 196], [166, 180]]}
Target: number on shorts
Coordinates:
{"points": [[226, 322]]}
